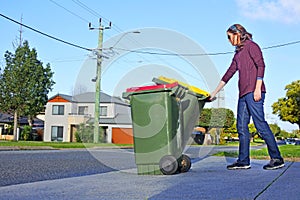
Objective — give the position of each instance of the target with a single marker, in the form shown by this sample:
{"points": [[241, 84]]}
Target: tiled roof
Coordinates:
{"points": [[64, 96], [7, 118], [89, 97]]}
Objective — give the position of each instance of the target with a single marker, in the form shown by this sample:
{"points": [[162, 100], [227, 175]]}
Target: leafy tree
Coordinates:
{"points": [[204, 119], [25, 135], [216, 118], [253, 131], [232, 129], [283, 134], [288, 108], [295, 134], [275, 129], [24, 84], [85, 133]]}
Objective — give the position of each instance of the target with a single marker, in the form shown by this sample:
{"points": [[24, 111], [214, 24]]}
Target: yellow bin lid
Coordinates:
{"points": [[190, 87]]}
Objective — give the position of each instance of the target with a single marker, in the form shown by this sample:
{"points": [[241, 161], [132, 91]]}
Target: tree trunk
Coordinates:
{"points": [[29, 119], [207, 137], [16, 126], [217, 135]]}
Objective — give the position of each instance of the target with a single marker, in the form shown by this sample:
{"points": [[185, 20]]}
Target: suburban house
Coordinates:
{"points": [[65, 113], [7, 122]]}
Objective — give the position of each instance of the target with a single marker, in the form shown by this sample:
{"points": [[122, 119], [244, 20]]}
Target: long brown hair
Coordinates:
{"points": [[244, 35]]}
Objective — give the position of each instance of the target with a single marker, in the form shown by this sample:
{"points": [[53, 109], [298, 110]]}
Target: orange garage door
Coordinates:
{"points": [[122, 136]]}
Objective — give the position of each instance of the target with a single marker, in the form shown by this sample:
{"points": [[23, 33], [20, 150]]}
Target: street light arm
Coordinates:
{"points": [[122, 36]]}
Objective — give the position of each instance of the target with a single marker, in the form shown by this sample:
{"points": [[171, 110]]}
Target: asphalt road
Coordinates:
{"points": [[18, 167], [30, 166], [111, 174]]}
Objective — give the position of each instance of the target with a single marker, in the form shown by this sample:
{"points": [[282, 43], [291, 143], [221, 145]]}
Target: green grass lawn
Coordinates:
{"points": [[58, 145], [288, 152], [237, 143]]}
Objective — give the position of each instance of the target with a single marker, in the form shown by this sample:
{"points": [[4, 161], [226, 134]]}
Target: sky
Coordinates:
{"points": [[185, 40]]}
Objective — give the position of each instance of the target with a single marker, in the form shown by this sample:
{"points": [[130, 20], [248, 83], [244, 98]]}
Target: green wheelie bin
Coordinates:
{"points": [[155, 119], [163, 118]]}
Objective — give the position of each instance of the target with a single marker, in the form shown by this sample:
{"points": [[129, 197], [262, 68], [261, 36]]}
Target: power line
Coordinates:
{"points": [[76, 15], [45, 34], [282, 45], [114, 27], [174, 54], [201, 54], [96, 14], [138, 51], [91, 11], [85, 7]]}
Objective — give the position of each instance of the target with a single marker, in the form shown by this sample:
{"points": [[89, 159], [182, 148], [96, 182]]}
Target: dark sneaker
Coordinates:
{"points": [[237, 165], [274, 164]]}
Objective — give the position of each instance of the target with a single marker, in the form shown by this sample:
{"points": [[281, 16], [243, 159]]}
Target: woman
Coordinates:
{"points": [[249, 62]]}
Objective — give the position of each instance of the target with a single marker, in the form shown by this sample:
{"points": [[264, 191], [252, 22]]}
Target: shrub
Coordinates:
{"points": [[85, 133], [25, 135]]}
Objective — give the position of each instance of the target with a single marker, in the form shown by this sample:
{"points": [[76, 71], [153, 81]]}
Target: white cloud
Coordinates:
{"points": [[286, 11]]}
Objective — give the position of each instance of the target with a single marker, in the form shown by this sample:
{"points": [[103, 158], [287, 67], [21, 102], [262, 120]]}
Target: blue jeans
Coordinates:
{"points": [[247, 108]]}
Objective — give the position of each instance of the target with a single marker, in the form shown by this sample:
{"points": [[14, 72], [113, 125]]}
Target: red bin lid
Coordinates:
{"points": [[152, 87]]}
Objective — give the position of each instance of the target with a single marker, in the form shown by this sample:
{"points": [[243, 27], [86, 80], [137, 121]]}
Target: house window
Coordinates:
{"points": [[103, 110], [57, 133], [58, 110], [82, 110]]}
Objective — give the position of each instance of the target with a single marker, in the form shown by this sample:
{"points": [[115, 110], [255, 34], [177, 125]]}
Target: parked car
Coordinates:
{"points": [[198, 137], [294, 141], [281, 142]]}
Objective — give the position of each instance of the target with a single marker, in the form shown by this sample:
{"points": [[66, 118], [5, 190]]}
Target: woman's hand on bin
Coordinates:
{"points": [[211, 98], [214, 93]]}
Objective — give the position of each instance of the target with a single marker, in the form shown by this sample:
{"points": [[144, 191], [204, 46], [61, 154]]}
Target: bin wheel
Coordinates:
{"points": [[168, 165], [185, 164]]}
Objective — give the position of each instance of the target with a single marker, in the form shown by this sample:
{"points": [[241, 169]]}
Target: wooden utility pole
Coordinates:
{"points": [[98, 80]]}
